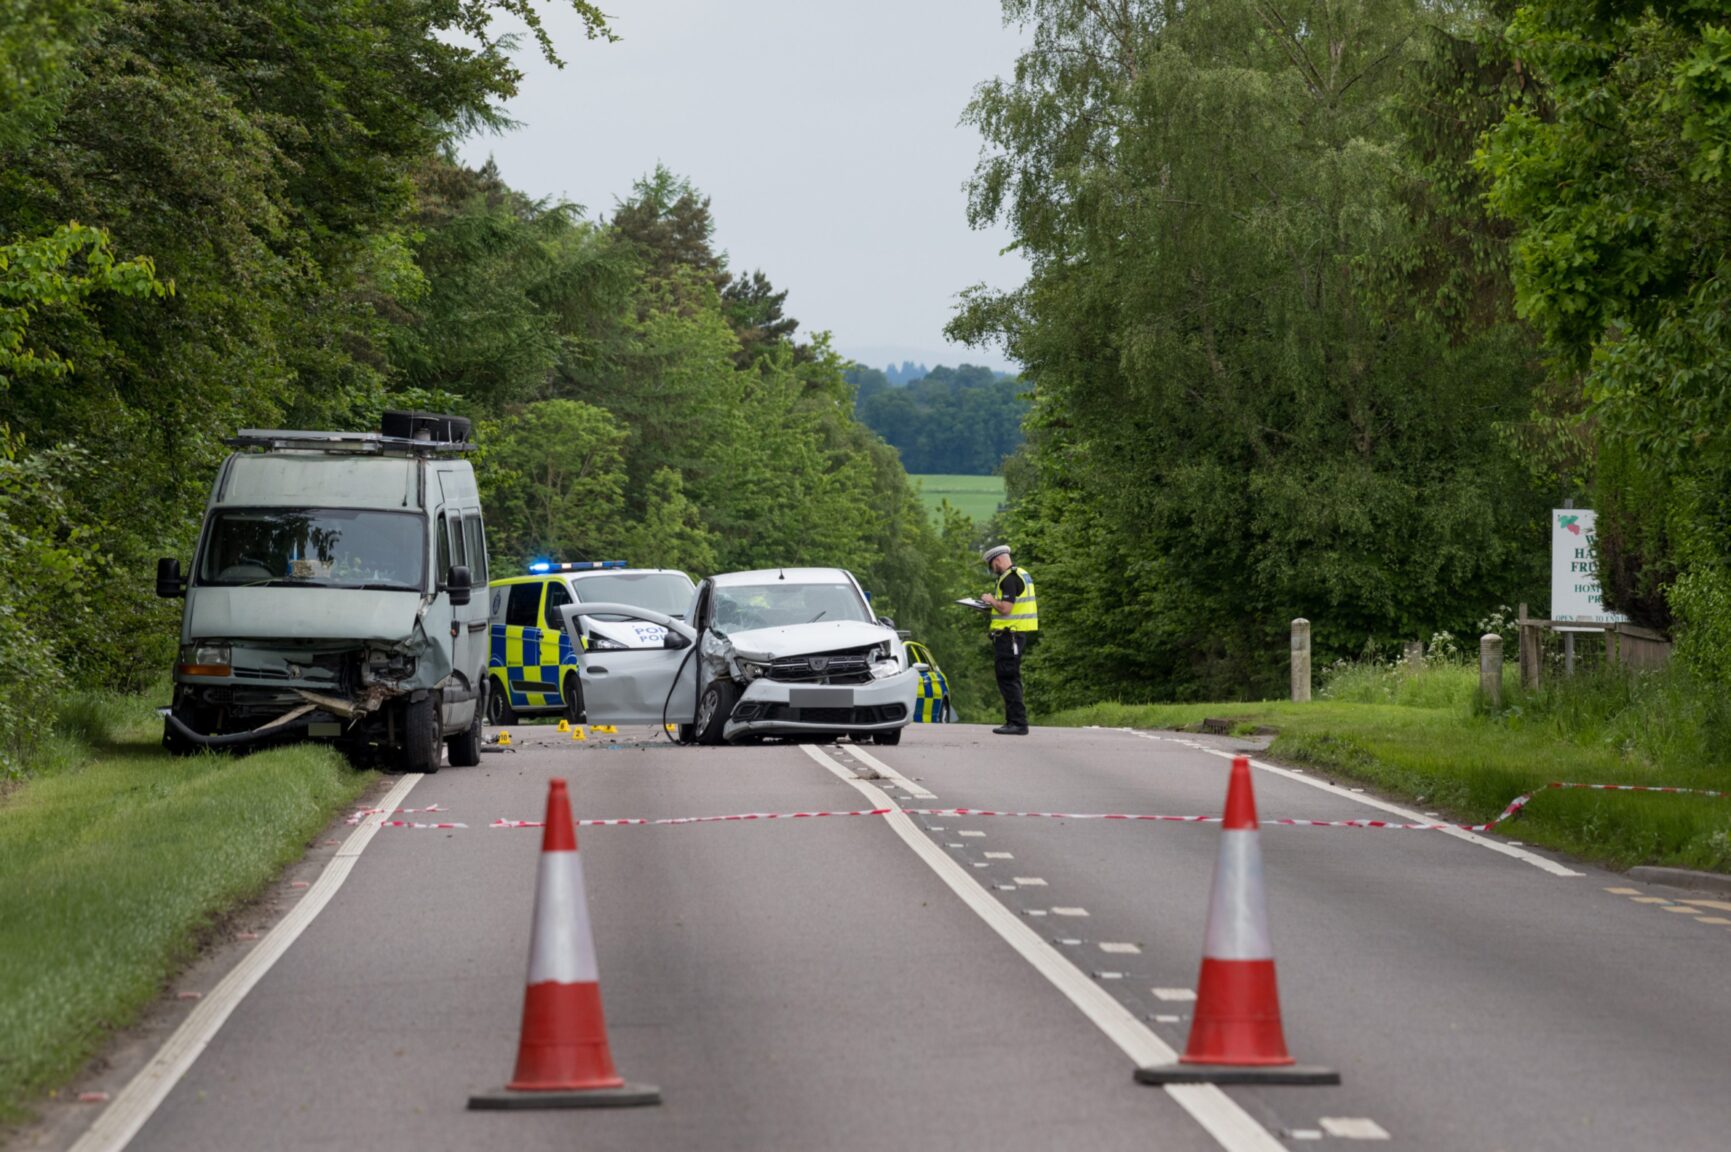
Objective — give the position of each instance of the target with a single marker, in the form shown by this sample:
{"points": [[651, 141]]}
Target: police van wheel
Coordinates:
{"points": [[573, 695], [422, 750], [464, 749], [894, 737], [499, 710]]}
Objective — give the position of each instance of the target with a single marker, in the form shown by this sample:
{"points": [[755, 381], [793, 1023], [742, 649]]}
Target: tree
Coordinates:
{"points": [[553, 482], [1234, 421], [1619, 191]]}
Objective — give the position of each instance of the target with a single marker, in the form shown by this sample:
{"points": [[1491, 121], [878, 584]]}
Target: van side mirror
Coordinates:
{"points": [[675, 640], [457, 584], [169, 582]]}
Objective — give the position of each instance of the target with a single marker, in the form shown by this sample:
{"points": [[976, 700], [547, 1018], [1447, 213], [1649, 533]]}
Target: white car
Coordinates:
{"points": [[780, 652]]}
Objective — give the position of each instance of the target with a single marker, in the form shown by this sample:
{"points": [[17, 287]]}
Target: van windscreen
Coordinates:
{"points": [[315, 547]]}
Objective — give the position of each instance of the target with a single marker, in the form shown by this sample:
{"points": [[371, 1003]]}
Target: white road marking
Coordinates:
{"points": [[1122, 949], [1174, 1020], [1230, 1125], [1306, 1133], [971, 832], [1174, 994], [1110, 975], [1000, 856], [906, 784], [1070, 941], [135, 1104], [1035, 912], [1029, 881], [1508, 849], [1069, 911], [1353, 1128]]}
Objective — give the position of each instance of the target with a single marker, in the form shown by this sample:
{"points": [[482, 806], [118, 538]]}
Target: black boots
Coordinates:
{"points": [[1011, 730]]}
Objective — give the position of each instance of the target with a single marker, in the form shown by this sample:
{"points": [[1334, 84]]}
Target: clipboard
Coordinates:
{"points": [[976, 605]]}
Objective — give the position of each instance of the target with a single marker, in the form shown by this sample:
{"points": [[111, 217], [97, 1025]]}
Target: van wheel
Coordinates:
{"points": [[422, 750], [499, 710], [464, 749], [713, 709], [574, 700]]}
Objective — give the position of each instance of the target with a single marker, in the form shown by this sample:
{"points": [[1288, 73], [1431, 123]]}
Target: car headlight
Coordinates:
{"points": [[752, 671], [603, 644], [205, 660]]}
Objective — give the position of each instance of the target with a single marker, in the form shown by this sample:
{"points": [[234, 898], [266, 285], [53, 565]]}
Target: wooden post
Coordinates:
{"points": [[1529, 651], [1301, 659], [1491, 669], [1569, 654]]}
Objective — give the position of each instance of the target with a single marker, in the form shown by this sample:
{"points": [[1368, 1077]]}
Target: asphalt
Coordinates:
{"points": [[813, 983]]}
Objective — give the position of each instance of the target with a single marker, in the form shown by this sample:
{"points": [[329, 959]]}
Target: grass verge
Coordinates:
{"points": [[1422, 735], [118, 861]]}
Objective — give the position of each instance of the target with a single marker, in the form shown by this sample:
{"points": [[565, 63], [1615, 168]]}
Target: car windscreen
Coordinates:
{"points": [[668, 593], [740, 607], [315, 547]]}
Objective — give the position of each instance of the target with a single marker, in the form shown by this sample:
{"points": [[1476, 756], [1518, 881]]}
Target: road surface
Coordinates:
{"points": [[876, 982]]}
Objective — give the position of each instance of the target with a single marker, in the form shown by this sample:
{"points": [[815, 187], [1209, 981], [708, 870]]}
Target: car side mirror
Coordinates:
{"points": [[675, 640], [457, 583], [887, 622], [922, 666], [169, 582]]}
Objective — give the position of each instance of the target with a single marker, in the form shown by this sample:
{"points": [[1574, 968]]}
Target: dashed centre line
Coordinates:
{"points": [[1121, 948], [1000, 856]]}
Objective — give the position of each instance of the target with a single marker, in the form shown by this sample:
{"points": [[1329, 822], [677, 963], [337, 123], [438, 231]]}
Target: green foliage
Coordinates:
{"points": [[959, 420], [1619, 191], [1256, 393]]}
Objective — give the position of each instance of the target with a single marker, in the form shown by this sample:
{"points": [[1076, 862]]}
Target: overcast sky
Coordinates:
{"points": [[826, 134]]}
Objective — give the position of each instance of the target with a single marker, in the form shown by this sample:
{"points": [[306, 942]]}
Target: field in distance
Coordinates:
{"points": [[978, 496]]}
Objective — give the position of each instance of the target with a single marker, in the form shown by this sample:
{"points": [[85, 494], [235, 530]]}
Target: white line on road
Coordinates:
{"points": [[1230, 1126], [908, 785], [122, 1119], [1532, 858]]}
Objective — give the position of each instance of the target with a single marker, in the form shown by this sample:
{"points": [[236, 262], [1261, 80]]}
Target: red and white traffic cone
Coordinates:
{"points": [[1236, 1037], [563, 1059]]}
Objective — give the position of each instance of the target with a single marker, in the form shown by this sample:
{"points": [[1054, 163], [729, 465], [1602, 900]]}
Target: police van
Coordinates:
{"points": [[532, 667]]}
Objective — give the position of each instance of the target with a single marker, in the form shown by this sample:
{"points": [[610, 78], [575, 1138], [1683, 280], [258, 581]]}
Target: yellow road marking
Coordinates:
{"points": [[1711, 920], [1624, 891], [1685, 909], [1650, 900], [1722, 905]]}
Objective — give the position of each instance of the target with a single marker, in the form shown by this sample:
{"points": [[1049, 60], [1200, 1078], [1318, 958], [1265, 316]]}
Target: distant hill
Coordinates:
{"points": [[953, 421]]}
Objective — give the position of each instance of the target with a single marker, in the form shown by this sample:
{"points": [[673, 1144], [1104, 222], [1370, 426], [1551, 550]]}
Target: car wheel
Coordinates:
{"points": [[714, 706], [574, 700], [948, 716], [499, 710], [421, 749], [894, 737], [464, 749]]}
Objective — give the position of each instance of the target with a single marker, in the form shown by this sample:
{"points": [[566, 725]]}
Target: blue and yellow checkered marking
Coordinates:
{"points": [[933, 695], [533, 662]]}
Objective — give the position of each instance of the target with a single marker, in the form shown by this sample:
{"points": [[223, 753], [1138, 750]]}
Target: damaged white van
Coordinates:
{"points": [[331, 597], [780, 652]]}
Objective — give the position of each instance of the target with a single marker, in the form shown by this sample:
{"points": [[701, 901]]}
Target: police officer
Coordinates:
{"points": [[1015, 620]]}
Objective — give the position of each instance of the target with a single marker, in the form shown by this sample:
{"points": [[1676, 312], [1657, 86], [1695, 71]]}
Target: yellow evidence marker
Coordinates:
{"points": [[504, 738], [577, 733], [564, 725]]}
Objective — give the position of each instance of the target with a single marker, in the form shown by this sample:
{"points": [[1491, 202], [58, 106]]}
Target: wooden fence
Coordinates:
{"points": [[1626, 645]]}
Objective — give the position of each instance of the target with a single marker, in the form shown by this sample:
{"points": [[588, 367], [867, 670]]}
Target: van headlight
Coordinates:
{"points": [[205, 660]]}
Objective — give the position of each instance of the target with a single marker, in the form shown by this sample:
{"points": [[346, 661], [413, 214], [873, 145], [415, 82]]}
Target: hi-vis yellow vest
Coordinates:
{"points": [[1024, 613]]}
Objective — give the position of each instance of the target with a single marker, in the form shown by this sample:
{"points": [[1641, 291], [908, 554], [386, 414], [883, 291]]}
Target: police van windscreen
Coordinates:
{"points": [[315, 547], [665, 592], [741, 607]]}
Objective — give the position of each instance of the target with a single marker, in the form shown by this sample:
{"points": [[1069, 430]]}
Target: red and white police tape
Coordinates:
{"points": [[1513, 809]]}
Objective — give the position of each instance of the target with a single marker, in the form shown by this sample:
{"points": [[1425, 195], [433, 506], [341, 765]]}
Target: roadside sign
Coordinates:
{"points": [[1575, 592]]}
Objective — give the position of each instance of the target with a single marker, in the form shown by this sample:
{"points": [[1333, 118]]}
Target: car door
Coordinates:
{"points": [[637, 685]]}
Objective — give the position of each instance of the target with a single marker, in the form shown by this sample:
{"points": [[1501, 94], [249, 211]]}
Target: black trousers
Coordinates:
{"points": [[1008, 648]]}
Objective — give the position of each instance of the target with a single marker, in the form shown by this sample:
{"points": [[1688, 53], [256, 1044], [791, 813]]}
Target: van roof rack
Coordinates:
{"points": [[360, 443]]}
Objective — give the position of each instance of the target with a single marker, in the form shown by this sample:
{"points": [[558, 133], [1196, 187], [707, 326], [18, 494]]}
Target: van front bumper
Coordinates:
{"points": [[771, 706]]}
